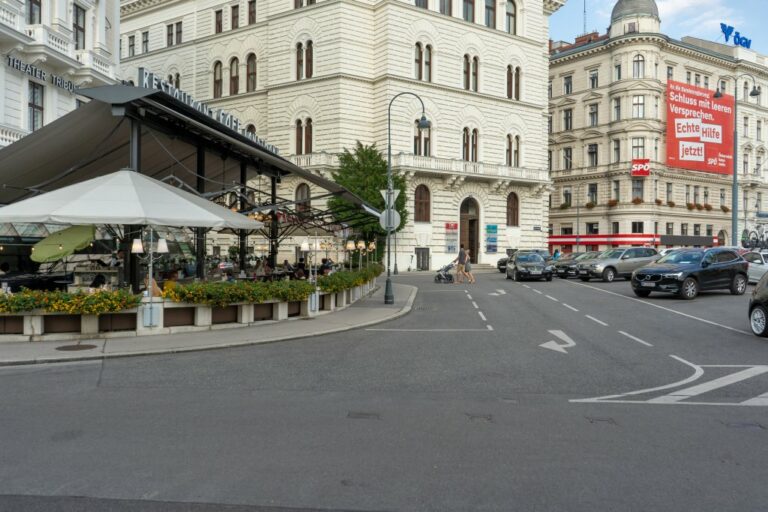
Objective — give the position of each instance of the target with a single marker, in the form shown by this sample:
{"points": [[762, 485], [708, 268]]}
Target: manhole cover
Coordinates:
{"points": [[73, 348]]}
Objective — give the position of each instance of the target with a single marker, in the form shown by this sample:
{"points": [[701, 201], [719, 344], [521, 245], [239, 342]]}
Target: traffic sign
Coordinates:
{"points": [[395, 193], [389, 219]]}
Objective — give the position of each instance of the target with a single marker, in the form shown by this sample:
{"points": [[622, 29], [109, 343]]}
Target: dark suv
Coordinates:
{"points": [[688, 271]]}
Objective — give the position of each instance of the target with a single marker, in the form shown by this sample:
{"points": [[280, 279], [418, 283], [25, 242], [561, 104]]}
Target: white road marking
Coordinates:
{"points": [[501, 292], [538, 291], [570, 307], [596, 320], [482, 316], [760, 400], [700, 389], [553, 345], [489, 327], [493, 294], [635, 339], [552, 298], [428, 330], [526, 286], [710, 322], [475, 304], [469, 297]]}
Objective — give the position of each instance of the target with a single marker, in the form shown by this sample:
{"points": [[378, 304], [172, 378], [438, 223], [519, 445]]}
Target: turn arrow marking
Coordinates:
{"points": [[553, 345]]}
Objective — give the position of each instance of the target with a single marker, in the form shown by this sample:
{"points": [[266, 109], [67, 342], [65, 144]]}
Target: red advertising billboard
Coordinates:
{"points": [[699, 129], [641, 167]]}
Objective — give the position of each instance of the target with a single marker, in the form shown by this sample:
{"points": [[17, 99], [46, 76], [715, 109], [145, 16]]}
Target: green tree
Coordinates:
{"points": [[364, 173]]}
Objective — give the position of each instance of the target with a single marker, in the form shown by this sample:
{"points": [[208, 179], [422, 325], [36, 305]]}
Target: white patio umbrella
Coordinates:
{"points": [[125, 197]]}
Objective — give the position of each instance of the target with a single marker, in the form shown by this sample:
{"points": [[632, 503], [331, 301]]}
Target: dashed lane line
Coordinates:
{"points": [[634, 338], [489, 327], [469, 296], [431, 330], [570, 307], [552, 298], [526, 286], [538, 291], [482, 316], [597, 320], [475, 304]]}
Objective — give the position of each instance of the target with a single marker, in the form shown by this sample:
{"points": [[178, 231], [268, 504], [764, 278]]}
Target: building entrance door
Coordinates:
{"points": [[422, 258], [469, 227]]}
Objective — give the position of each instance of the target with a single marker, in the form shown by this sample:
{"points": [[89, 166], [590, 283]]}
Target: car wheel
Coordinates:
{"points": [[758, 321], [739, 285], [609, 275], [689, 289], [642, 293]]}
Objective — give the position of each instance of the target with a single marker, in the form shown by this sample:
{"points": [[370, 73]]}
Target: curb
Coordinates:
{"points": [[179, 350]]}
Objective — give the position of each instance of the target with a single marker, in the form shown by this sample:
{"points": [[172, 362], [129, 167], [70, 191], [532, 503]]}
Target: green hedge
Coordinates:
{"points": [[340, 281], [58, 301]]}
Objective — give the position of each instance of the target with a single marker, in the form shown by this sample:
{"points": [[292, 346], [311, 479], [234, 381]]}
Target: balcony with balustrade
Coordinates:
{"points": [[9, 135]]}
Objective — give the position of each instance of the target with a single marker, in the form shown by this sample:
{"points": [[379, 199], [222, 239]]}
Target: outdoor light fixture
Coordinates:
{"points": [[350, 245], [137, 247], [361, 245], [304, 246], [162, 246]]}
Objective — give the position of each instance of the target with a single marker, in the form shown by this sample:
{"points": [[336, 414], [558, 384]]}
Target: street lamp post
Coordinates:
{"points": [[735, 187], [424, 124]]}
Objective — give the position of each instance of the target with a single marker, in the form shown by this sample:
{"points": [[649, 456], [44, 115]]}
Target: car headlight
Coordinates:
{"points": [[675, 275]]}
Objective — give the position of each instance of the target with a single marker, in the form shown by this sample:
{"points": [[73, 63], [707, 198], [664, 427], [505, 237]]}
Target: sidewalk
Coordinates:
{"points": [[371, 310]]}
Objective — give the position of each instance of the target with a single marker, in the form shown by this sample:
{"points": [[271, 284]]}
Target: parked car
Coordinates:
{"points": [[619, 262], [528, 265], [758, 307], [565, 267], [502, 263], [758, 265], [688, 271]]}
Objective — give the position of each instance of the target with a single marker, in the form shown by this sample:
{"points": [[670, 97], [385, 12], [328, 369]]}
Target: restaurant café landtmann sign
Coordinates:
{"points": [[149, 80]]}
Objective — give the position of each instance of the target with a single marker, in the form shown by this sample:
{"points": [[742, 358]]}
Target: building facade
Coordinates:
{"points": [[315, 78], [608, 107], [49, 49]]}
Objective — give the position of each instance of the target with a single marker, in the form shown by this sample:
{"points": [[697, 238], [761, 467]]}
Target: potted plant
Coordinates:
{"points": [[637, 200], [690, 206], [699, 206], [671, 204], [613, 203], [565, 206], [659, 202], [589, 205], [725, 208], [708, 207]]}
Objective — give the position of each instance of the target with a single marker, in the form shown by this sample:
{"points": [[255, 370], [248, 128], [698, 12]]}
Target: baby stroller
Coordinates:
{"points": [[444, 274]]}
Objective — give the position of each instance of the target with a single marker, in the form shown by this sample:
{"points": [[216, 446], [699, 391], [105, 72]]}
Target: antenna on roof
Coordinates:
{"points": [[585, 17]]}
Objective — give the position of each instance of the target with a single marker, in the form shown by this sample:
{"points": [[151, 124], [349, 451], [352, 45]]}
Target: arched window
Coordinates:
{"points": [[299, 61], [303, 203], [299, 137], [428, 63], [511, 25], [638, 66], [475, 143], [516, 151], [508, 152], [513, 210], [510, 82], [467, 71], [465, 145], [217, 84], [250, 76], [308, 136], [417, 61], [421, 204], [250, 129], [309, 58], [170, 79], [234, 76], [177, 81], [421, 140], [475, 72]]}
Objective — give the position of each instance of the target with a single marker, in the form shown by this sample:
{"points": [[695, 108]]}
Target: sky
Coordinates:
{"points": [[698, 18]]}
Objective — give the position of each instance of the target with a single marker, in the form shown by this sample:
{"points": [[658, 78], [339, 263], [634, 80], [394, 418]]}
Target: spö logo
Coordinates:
{"points": [[738, 39]]}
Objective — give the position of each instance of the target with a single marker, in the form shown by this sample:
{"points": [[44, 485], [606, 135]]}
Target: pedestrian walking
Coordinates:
{"points": [[556, 256], [468, 268], [460, 260]]}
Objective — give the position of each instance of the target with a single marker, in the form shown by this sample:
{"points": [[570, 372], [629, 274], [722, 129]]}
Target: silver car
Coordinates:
{"points": [[758, 265], [619, 262]]}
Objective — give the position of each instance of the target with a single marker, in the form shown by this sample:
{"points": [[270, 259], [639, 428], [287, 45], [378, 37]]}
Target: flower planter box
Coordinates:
{"points": [[61, 324], [175, 317], [12, 324], [225, 315], [262, 312], [114, 322], [327, 301]]}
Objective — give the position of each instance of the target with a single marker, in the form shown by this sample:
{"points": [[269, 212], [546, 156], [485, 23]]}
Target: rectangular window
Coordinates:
{"points": [[710, 230], [567, 158], [617, 72], [706, 195], [567, 196], [593, 228], [566, 230], [549, 90], [697, 80], [616, 151], [684, 229], [759, 131], [638, 67], [490, 13], [722, 197], [723, 88], [78, 26], [746, 126], [218, 23], [670, 73], [131, 46], [746, 163], [144, 42], [549, 124], [178, 32], [251, 12], [568, 119], [697, 230], [688, 77], [617, 109], [758, 163], [637, 227], [235, 16], [592, 193], [593, 79], [669, 192], [593, 114], [615, 228], [35, 106], [687, 194], [638, 147], [637, 188], [469, 10], [670, 228], [169, 35], [638, 107], [706, 82], [592, 155], [549, 160], [567, 85], [696, 194], [424, 4], [616, 190], [446, 8], [34, 10]]}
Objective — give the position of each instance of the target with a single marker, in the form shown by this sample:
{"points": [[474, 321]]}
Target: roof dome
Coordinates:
{"points": [[634, 7]]}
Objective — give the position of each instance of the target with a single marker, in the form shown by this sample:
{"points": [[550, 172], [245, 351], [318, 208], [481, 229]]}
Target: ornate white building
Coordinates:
{"points": [[49, 49], [608, 106], [314, 78]]}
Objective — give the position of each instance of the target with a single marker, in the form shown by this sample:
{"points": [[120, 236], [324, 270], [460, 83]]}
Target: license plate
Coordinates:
{"points": [[535, 272], [648, 285], [582, 271]]}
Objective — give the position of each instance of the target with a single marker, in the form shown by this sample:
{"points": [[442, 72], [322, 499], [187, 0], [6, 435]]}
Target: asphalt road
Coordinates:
{"points": [[631, 404]]}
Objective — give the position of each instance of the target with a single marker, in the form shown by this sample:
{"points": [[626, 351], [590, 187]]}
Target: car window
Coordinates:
{"points": [[753, 257], [612, 254], [683, 257], [651, 252], [635, 253], [726, 256], [529, 258]]}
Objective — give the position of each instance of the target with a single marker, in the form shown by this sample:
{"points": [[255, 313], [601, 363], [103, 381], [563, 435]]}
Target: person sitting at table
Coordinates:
{"points": [[287, 267], [260, 271], [301, 265], [300, 274], [98, 281], [4, 268], [325, 266]]}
